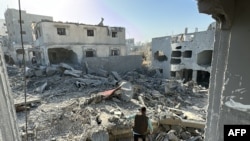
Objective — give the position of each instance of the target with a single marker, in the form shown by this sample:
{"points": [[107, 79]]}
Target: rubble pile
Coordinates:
{"points": [[69, 104]]}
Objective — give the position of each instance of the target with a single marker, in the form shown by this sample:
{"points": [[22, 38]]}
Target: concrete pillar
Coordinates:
{"points": [[46, 56], [229, 99], [194, 75], [8, 123]]}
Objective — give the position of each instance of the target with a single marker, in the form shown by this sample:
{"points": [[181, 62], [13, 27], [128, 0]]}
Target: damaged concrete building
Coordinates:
{"points": [[185, 56], [229, 82], [58, 42], [4, 40], [14, 39], [3, 28]]}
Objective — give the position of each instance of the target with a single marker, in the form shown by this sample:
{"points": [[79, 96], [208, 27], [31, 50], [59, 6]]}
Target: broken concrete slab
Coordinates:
{"points": [[89, 76], [72, 73], [101, 72], [141, 100], [89, 82], [175, 120], [116, 75], [66, 66], [51, 70], [20, 104]]}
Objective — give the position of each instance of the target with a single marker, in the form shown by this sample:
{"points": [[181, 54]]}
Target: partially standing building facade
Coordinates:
{"points": [[185, 56], [13, 28], [58, 42]]}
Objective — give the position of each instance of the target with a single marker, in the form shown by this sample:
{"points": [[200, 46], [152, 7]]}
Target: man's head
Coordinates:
{"points": [[143, 110]]}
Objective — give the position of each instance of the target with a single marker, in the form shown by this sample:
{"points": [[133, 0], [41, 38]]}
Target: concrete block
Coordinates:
{"points": [[72, 73], [51, 71], [66, 66], [116, 75], [38, 73]]}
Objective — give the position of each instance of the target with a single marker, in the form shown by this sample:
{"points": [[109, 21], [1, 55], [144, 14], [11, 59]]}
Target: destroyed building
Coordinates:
{"points": [[13, 27], [58, 42], [3, 28], [3, 33], [185, 56], [228, 97]]}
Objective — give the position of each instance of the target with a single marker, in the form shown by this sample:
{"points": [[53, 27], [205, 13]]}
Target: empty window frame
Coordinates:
{"points": [[204, 58], [159, 55], [114, 34], [179, 47], [61, 31], [90, 32], [114, 52], [187, 54], [90, 53], [176, 54], [175, 61]]}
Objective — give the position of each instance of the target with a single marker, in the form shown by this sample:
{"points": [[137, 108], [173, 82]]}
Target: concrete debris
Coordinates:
{"points": [[88, 82], [66, 66], [141, 100], [51, 70], [41, 88], [116, 75], [29, 72], [101, 72], [30, 103], [172, 135], [73, 105], [70, 72], [38, 73]]}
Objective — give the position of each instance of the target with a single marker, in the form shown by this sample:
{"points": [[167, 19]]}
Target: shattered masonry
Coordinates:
{"points": [[72, 106]]}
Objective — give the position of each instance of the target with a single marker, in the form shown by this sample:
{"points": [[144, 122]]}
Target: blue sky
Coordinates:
{"points": [[143, 19]]}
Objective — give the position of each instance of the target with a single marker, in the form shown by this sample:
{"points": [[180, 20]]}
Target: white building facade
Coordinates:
{"points": [[58, 42], [185, 56]]}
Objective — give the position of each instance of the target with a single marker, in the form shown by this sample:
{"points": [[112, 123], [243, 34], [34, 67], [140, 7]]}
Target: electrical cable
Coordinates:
{"points": [[24, 72]]}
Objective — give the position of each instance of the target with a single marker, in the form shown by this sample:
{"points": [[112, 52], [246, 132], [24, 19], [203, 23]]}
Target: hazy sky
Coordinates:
{"points": [[143, 19]]}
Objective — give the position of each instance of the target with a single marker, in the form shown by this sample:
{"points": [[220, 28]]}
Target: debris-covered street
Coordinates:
{"points": [[69, 104]]}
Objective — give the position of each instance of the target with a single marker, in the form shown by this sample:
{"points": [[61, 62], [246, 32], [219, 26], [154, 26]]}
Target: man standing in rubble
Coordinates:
{"points": [[141, 125]]}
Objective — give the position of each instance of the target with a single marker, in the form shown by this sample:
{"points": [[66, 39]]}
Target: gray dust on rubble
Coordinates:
{"points": [[63, 90]]}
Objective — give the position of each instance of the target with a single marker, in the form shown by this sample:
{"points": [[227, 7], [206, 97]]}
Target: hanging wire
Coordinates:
{"points": [[24, 72]]}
